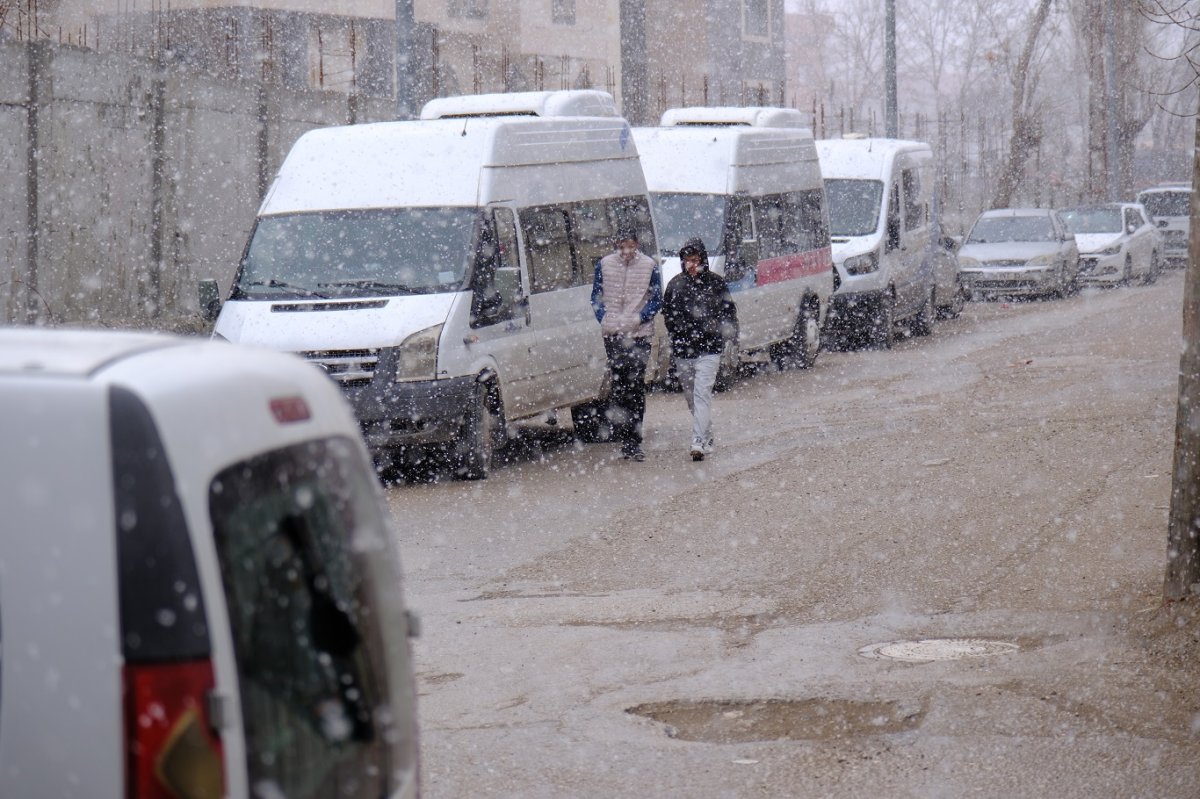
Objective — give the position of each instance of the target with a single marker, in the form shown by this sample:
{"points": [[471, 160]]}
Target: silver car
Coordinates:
{"points": [[1117, 242], [1019, 252]]}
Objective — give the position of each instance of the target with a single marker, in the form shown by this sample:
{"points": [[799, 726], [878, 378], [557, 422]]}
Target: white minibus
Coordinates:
{"points": [[747, 182], [878, 191], [440, 269], [1169, 206], [199, 586]]}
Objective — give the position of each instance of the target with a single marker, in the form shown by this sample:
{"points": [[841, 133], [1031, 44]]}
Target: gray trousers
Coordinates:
{"points": [[696, 378]]}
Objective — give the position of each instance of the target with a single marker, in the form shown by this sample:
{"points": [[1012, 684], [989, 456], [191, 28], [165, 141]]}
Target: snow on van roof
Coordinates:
{"points": [[575, 103], [752, 116], [31, 351], [431, 163], [724, 159], [863, 158]]}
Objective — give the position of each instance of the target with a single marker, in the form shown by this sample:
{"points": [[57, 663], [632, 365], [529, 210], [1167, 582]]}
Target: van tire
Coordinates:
{"points": [[799, 351], [882, 327], [922, 324], [730, 367], [591, 423], [481, 435]]}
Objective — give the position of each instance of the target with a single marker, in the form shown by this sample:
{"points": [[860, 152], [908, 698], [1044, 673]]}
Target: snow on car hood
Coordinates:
{"points": [[1008, 250], [1094, 242]]}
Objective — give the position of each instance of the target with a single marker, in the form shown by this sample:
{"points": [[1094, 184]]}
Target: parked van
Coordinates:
{"points": [[440, 270], [878, 191], [747, 182], [199, 592], [1170, 208]]}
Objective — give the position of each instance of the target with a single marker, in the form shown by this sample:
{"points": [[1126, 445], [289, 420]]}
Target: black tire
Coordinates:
{"points": [[730, 367], [883, 324], [922, 324], [952, 311], [799, 351], [591, 424], [481, 435]]}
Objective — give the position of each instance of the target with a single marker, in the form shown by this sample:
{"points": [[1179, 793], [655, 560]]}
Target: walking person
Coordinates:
{"points": [[700, 316], [626, 295]]}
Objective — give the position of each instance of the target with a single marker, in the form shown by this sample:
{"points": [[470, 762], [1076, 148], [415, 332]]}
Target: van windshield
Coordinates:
{"points": [[853, 206], [358, 253], [1166, 203], [992, 229], [679, 217], [1092, 220]]}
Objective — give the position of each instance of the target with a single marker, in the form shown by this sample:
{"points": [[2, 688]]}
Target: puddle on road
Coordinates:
{"points": [[746, 721]]}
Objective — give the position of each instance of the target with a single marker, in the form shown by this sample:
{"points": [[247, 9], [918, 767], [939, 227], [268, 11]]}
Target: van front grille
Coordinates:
{"points": [[346, 367]]}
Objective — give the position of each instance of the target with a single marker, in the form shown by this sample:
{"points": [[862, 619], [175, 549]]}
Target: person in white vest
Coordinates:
{"points": [[626, 295]]}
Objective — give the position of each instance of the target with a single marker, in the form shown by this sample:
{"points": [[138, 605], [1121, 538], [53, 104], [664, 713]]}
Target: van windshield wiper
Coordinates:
{"points": [[279, 284], [376, 285]]}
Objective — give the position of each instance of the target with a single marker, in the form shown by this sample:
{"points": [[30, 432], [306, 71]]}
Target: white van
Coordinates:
{"points": [[440, 270], [1170, 208], [199, 593], [747, 182], [878, 192]]}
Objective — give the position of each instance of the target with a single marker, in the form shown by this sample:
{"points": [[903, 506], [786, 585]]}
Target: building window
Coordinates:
{"points": [[756, 19], [474, 9], [562, 12]]}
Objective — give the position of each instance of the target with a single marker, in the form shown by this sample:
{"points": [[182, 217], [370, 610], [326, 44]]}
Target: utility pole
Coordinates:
{"points": [[1183, 549], [891, 122]]}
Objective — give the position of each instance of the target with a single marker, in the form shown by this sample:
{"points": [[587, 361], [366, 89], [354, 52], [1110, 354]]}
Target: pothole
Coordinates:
{"points": [[747, 721], [928, 650]]}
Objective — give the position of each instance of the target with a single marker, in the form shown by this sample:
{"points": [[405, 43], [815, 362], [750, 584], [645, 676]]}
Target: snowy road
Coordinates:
{"points": [[1006, 480]]}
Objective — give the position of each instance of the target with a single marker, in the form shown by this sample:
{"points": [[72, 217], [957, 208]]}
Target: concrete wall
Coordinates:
{"points": [[145, 181]]}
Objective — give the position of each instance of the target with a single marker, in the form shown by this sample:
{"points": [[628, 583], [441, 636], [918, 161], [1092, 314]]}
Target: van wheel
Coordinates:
{"points": [[591, 423], [482, 433], [727, 371], [882, 326], [800, 350], [922, 324]]}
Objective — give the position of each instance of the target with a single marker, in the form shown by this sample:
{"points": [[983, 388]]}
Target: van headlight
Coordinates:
{"points": [[416, 357], [861, 264], [1043, 261]]}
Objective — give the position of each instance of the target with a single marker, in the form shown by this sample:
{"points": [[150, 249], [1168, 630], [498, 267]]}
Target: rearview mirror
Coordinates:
{"points": [[210, 300]]}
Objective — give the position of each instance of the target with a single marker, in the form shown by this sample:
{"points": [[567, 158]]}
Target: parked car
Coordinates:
{"points": [[199, 590], [1019, 251], [1117, 242], [951, 292], [878, 192], [1170, 208]]}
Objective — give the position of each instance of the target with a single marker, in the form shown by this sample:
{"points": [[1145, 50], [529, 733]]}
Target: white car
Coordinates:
{"points": [[199, 593], [1117, 242], [1019, 252]]}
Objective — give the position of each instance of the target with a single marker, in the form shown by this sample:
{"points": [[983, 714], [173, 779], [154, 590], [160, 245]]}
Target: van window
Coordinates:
{"points": [[292, 529], [1167, 203], [770, 220], [893, 219], [634, 213], [741, 246], [679, 217], [357, 253], [808, 215], [914, 209], [548, 242], [593, 231], [853, 206], [496, 276]]}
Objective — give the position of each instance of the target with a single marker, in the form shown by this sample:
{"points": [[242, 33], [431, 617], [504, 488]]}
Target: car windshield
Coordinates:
{"points": [[853, 206], [679, 217], [1092, 220], [358, 253], [993, 229], [1166, 203]]}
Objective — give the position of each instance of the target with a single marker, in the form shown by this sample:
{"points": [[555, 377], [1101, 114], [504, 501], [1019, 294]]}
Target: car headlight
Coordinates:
{"points": [[861, 264], [1042, 260], [1113, 250], [416, 357]]}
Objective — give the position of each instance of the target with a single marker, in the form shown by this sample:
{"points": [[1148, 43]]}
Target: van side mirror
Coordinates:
{"points": [[210, 300]]}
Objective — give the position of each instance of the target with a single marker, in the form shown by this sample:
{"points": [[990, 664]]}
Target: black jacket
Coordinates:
{"points": [[699, 314]]}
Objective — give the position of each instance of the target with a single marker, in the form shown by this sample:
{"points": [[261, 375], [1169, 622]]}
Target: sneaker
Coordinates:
{"points": [[697, 451], [638, 456], [633, 453], [707, 448]]}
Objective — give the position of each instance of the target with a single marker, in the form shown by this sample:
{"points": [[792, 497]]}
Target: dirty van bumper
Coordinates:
{"points": [[855, 313], [396, 415]]}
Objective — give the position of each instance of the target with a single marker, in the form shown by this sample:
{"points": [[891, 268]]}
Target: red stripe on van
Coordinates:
{"points": [[791, 267]]}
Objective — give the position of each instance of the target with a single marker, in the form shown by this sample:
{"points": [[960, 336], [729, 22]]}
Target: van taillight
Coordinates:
{"points": [[171, 751]]}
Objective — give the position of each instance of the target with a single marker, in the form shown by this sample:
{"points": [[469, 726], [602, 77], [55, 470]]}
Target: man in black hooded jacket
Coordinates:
{"points": [[700, 316]]}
